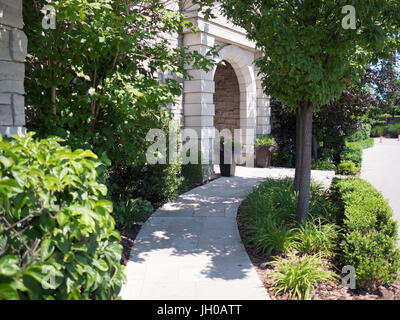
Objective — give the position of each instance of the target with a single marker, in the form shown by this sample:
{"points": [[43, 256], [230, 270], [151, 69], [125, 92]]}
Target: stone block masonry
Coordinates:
{"points": [[226, 99], [13, 50]]}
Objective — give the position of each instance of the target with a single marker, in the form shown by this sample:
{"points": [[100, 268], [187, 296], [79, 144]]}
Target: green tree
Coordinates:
{"points": [[309, 57], [106, 75], [387, 85]]}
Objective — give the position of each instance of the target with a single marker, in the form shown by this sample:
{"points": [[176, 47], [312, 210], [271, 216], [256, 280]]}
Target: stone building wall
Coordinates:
{"points": [[13, 49], [226, 99]]}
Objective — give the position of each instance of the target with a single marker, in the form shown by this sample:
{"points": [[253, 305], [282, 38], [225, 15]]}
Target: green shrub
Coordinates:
{"points": [[370, 234], [272, 197], [133, 210], [298, 276], [368, 143], [323, 164], [375, 257], [107, 95], [347, 168], [363, 133], [351, 156], [352, 153], [282, 159], [57, 237], [390, 131], [157, 183], [393, 130], [363, 144], [378, 131], [192, 173], [269, 215]]}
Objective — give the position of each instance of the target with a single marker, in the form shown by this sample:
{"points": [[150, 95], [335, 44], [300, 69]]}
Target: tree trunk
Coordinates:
{"points": [[314, 147], [298, 150], [304, 174]]}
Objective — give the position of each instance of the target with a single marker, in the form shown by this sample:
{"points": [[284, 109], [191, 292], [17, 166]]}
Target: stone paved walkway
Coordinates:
{"points": [[381, 168], [191, 248]]}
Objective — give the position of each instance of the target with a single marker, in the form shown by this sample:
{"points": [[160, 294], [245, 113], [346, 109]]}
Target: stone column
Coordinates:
{"points": [[263, 106], [13, 50], [263, 113], [199, 109]]}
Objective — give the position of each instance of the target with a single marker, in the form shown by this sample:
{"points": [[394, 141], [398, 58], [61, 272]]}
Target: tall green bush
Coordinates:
{"points": [[57, 237], [363, 133], [104, 77]]}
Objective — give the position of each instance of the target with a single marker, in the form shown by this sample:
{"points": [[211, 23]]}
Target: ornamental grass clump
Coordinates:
{"points": [[270, 216], [314, 236], [298, 276]]}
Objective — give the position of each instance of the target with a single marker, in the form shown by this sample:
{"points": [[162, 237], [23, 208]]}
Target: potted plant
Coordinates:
{"points": [[227, 164], [264, 146]]}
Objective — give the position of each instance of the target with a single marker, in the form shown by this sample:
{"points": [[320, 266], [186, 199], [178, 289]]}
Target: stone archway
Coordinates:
{"points": [[242, 63], [226, 99]]}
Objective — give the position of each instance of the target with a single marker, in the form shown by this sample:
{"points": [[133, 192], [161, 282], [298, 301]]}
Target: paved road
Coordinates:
{"points": [[381, 167], [191, 248]]}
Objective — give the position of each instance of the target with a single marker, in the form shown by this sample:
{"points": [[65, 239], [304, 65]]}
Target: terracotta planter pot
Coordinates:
{"points": [[227, 170], [263, 157]]}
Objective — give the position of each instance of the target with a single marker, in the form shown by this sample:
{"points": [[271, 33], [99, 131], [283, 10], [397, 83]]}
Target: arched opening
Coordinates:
{"points": [[226, 98]]}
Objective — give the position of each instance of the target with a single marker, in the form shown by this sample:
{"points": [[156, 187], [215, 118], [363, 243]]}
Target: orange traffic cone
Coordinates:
{"points": [[381, 140]]}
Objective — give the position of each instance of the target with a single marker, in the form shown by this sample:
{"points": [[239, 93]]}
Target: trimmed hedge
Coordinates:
{"points": [[369, 233], [347, 168], [393, 130], [351, 156], [389, 131], [352, 153], [364, 144]]}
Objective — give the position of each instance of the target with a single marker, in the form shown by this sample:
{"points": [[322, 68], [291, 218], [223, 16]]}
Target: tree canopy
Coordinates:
{"points": [[310, 55]]}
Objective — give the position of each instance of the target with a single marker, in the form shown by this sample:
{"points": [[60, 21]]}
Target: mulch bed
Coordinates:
{"points": [[325, 291], [129, 234]]}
